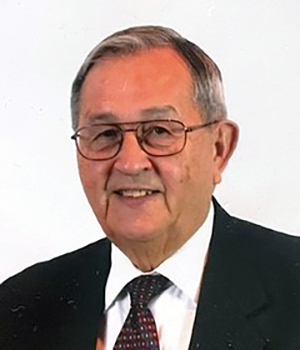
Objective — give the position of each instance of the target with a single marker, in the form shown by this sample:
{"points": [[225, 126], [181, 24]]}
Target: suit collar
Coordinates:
{"points": [[230, 294]]}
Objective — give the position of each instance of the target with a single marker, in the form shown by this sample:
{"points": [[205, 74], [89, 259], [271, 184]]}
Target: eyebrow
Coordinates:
{"points": [[161, 112], [104, 117]]}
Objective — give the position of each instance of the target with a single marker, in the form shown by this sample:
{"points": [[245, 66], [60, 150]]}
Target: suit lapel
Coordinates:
{"points": [[230, 293], [93, 278]]}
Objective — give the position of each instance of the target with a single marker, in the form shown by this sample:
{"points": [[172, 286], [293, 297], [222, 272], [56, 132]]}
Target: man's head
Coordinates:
{"points": [[206, 77], [150, 200]]}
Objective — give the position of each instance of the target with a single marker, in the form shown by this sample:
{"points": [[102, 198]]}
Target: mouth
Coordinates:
{"points": [[135, 193]]}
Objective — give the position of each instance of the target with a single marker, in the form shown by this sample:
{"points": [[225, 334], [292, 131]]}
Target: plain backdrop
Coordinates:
{"points": [[43, 211]]}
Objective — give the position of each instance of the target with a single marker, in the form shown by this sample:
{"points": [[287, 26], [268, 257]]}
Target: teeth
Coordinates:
{"points": [[135, 193]]}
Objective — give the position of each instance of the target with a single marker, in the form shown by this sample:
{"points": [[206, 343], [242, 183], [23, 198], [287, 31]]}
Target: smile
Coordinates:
{"points": [[135, 193]]}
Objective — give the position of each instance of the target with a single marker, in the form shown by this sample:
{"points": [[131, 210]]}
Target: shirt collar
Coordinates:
{"points": [[184, 268]]}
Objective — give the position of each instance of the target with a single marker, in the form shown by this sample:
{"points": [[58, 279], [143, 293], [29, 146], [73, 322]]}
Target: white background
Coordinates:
{"points": [[43, 211]]}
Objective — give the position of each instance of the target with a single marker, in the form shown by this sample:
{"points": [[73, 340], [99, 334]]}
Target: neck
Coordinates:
{"points": [[148, 253], [148, 257]]}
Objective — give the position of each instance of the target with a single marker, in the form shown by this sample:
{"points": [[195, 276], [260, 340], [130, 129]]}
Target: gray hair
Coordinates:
{"points": [[206, 76]]}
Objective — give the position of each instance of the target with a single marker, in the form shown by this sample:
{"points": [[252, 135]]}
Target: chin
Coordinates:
{"points": [[129, 233]]}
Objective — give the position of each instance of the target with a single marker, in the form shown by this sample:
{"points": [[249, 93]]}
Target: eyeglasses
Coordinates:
{"points": [[157, 138]]}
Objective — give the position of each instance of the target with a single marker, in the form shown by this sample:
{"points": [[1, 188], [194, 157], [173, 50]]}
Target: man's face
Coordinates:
{"points": [[155, 84]]}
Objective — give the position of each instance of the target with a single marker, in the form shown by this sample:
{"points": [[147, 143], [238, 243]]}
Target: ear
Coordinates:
{"points": [[226, 135]]}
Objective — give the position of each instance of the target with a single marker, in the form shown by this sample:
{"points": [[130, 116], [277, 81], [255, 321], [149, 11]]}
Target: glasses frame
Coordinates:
{"points": [[186, 130]]}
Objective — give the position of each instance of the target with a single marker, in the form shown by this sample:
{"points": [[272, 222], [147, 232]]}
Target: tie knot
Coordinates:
{"points": [[144, 288]]}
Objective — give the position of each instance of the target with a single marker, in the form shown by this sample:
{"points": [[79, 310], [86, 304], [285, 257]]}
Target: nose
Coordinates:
{"points": [[131, 159]]}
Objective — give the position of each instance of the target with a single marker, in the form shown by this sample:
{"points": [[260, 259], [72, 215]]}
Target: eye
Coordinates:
{"points": [[157, 135], [104, 136], [159, 130], [156, 131], [108, 134]]}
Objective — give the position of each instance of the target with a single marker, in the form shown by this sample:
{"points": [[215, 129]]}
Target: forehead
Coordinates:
{"points": [[146, 80]]}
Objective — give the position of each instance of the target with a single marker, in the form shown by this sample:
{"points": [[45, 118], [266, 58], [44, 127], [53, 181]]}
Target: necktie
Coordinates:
{"points": [[139, 330]]}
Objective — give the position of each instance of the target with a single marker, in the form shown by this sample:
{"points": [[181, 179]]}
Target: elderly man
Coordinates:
{"points": [[175, 271]]}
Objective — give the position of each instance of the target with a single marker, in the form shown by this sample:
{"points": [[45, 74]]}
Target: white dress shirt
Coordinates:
{"points": [[174, 310]]}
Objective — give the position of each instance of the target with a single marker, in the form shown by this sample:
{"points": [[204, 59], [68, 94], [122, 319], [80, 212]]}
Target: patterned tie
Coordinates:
{"points": [[139, 330]]}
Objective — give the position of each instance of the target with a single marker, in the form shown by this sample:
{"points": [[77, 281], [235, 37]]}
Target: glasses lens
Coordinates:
{"points": [[163, 137], [99, 141]]}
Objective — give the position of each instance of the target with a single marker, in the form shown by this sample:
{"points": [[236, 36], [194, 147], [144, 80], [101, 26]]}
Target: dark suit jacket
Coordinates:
{"points": [[250, 295]]}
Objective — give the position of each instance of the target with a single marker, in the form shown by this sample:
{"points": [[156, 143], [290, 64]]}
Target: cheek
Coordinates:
{"points": [[93, 182], [86, 175], [197, 169], [176, 176]]}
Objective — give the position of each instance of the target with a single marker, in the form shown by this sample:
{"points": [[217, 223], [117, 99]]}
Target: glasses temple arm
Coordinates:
{"points": [[201, 126]]}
